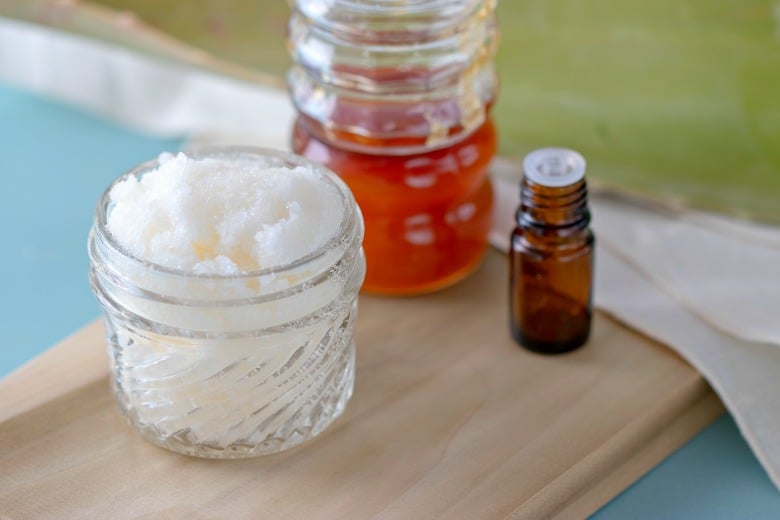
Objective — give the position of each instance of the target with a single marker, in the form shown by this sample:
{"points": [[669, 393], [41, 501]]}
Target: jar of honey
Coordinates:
{"points": [[395, 97]]}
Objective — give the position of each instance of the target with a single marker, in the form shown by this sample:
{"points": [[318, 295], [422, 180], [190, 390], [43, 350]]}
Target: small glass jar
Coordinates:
{"points": [[231, 366], [395, 97]]}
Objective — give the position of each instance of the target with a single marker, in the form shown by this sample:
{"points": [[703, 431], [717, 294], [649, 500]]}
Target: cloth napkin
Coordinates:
{"points": [[707, 286]]}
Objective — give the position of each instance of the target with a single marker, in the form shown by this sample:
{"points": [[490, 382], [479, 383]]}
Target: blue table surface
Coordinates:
{"points": [[56, 160]]}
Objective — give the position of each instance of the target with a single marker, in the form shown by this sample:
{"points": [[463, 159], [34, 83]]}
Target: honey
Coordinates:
{"points": [[397, 102], [427, 214]]}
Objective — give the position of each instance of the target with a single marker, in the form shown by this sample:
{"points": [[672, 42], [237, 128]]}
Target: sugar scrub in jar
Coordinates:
{"points": [[229, 280], [395, 97]]}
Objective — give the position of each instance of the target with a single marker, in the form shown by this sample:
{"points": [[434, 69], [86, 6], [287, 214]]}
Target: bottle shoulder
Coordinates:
{"points": [[571, 244]]}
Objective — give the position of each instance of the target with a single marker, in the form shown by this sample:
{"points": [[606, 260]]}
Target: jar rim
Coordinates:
{"points": [[341, 15], [281, 158]]}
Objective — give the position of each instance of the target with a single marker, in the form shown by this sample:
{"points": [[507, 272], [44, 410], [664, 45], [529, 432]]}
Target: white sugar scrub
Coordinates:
{"points": [[228, 280], [223, 216]]}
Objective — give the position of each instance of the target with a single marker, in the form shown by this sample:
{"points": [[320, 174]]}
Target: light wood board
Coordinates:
{"points": [[449, 420]]}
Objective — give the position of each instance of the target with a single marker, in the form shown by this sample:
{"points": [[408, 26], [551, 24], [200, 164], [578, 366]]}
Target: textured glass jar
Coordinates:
{"points": [[230, 366], [395, 97]]}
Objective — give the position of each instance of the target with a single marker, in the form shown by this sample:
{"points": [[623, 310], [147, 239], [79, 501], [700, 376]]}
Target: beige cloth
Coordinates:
{"points": [[707, 286], [704, 285]]}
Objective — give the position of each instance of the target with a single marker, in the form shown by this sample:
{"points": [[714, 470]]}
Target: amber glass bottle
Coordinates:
{"points": [[551, 255], [395, 98]]}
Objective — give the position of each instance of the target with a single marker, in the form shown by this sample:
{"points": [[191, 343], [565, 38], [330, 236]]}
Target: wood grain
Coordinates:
{"points": [[449, 420]]}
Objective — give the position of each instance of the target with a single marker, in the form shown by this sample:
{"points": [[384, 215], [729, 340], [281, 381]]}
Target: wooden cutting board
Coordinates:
{"points": [[449, 420]]}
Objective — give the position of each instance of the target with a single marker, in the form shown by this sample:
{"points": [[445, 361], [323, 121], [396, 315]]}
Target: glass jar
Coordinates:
{"points": [[395, 97], [230, 366]]}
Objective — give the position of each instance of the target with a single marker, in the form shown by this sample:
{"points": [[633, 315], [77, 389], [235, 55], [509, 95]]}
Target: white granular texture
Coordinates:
{"points": [[223, 216]]}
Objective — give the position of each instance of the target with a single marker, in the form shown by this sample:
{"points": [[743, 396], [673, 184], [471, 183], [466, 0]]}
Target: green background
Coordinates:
{"points": [[674, 99]]}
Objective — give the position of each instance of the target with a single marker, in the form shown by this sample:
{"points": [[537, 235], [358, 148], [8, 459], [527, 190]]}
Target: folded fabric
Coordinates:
{"points": [[160, 98], [725, 271], [675, 276]]}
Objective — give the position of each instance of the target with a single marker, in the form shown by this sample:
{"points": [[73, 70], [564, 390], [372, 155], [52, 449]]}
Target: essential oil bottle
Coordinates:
{"points": [[551, 254]]}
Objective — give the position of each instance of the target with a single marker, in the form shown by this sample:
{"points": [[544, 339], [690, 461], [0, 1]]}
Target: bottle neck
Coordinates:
{"points": [[554, 216], [404, 79]]}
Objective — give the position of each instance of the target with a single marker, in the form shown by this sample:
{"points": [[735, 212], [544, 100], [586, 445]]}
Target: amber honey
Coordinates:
{"points": [[396, 100], [427, 214]]}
